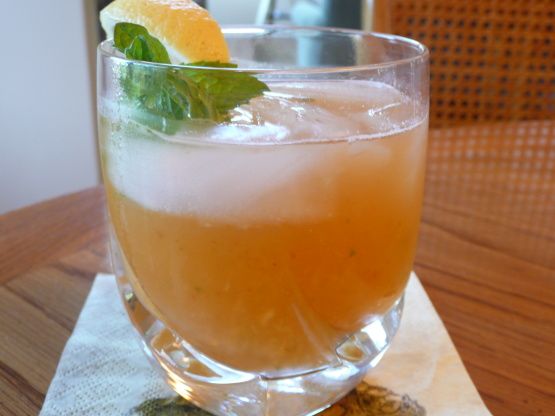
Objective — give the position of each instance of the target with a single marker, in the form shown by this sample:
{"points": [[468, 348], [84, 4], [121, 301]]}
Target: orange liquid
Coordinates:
{"points": [[279, 284]]}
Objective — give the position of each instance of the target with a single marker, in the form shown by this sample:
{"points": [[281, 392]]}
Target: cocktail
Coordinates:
{"points": [[262, 249]]}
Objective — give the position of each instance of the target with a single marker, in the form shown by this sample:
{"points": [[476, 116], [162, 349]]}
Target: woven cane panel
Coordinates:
{"points": [[490, 60], [502, 170], [499, 175]]}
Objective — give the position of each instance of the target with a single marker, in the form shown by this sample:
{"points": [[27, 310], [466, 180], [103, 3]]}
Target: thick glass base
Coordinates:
{"points": [[225, 391]]}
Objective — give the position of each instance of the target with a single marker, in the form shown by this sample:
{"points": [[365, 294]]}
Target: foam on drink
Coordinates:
{"points": [[250, 184]]}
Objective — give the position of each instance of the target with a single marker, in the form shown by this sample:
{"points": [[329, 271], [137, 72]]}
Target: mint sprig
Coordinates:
{"points": [[178, 93], [136, 43]]}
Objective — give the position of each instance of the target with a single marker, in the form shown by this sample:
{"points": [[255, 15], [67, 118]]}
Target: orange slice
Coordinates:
{"points": [[187, 30]]}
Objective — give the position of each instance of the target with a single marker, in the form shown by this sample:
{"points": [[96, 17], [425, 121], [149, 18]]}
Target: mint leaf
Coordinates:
{"points": [[179, 93], [124, 33], [212, 64], [136, 43], [222, 91]]}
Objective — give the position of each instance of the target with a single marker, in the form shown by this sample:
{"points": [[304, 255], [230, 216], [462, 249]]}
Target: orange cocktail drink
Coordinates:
{"points": [[266, 246], [264, 186]]}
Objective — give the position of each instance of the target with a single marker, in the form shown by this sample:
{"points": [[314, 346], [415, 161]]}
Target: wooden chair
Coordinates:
{"points": [[490, 60]]}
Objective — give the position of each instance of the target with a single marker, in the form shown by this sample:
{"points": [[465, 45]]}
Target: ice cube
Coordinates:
{"points": [[240, 184]]}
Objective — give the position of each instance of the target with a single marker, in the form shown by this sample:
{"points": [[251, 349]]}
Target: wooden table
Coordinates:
{"points": [[486, 257]]}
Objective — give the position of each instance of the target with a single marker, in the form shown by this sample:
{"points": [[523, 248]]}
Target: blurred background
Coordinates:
{"points": [[491, 61]]}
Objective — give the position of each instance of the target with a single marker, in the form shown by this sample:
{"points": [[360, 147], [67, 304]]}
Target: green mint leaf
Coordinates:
{"points": [[124, 33], [179, 93], [212, 64], [136, 43], [222, 91]]}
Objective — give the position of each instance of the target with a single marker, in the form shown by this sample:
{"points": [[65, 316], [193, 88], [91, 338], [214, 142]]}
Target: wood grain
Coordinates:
{"points": [[47, 231], [486, 257]]}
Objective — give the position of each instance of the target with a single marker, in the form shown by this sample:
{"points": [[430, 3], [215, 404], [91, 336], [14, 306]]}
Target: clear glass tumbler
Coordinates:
{"points": [[263, 259]]}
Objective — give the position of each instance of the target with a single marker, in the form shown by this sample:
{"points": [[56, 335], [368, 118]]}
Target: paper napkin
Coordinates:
{"points": [[103, 370]]}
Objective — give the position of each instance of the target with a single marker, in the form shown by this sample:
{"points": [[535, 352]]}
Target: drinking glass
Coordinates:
{"points": [[263, 259]]}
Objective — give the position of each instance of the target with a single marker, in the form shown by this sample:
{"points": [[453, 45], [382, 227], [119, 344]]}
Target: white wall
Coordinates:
{"points": [[47, 124]]}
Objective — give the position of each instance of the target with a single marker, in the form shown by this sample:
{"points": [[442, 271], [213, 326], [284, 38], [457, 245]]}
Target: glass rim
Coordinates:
{"points": [[106, 49]]}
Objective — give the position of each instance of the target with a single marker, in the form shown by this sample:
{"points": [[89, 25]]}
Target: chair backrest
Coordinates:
{"points": [[489, 59]]}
